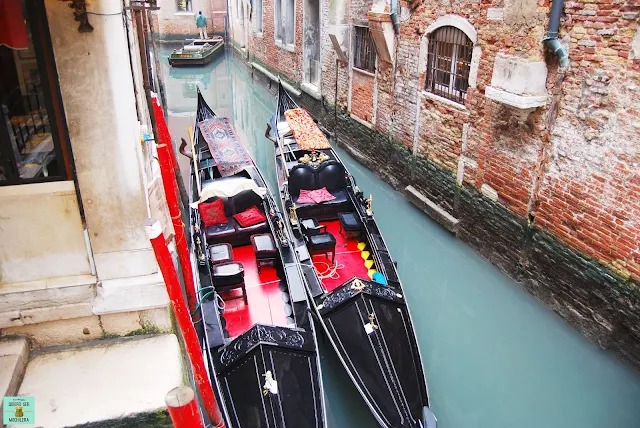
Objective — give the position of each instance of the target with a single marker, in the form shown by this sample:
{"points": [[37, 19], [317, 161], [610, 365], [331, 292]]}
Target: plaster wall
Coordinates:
{"points": [[98, 95], [175, 24], [43, 242]]}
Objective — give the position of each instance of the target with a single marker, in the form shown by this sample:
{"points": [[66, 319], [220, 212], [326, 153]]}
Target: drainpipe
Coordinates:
{"points": [[551, 38], [394, 16]]}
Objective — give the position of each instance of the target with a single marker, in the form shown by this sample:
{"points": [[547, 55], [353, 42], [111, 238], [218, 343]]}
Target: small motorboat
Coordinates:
{"points": [[351, 278], [198, 52], [253, 313]]}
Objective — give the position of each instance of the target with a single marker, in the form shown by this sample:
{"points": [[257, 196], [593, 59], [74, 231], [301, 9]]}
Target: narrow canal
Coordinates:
{"points": [[495, 357]]}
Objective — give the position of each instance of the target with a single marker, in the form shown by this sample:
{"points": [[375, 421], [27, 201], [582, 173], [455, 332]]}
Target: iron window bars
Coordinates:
{"points": [[183, 5], [449, 63], [364, 55]]}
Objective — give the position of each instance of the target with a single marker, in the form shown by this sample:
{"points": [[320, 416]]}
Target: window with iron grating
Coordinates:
{"points": [[449, 63], [183, 5], [364, 54]]}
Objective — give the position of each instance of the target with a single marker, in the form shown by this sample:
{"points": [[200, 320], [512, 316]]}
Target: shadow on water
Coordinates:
{"points": [[495, 357]]}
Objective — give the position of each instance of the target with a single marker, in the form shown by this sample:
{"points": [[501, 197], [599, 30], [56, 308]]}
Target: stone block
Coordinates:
{"points": [[495, 14], [14, 355], [523, 102], [135, 323], [519, 76], [106, 382], [607, 31], [45, 296], [62, 332], [587, 42], [55, 313], [489, 192], [11, 370], [10, 319], [432, 209], [132, 294]]}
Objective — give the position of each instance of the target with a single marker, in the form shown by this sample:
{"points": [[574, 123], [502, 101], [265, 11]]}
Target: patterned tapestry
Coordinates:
{"points": [[305, 131], [229, 153]]}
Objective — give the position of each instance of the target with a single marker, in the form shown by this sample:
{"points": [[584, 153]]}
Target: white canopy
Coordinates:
{"points": [[227, 187]]}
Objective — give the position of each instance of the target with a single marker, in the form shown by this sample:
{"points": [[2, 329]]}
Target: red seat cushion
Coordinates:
{"points": [[212, 213], [250, 217], [306, 197], [322, 195]]}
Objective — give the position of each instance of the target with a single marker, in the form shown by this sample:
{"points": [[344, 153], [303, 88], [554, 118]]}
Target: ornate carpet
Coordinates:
{"points": [[229, 153], [306, 132]]}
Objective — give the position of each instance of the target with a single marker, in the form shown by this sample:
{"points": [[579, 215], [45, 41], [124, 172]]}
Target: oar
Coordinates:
{"points": [[195, 161]]}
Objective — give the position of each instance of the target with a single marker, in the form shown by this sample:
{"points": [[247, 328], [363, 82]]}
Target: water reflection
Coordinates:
{"points": [[495, 357]]}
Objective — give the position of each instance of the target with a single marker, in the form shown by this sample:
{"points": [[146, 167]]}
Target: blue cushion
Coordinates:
{"points": [[379, 278]]}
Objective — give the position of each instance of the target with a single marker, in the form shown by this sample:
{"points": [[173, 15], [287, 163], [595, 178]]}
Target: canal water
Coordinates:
{"points": [[495, 357]]}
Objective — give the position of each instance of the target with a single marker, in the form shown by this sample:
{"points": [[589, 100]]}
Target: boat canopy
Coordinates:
{"points": [[227, 187]]}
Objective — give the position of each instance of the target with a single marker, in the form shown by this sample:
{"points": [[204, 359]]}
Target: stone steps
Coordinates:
{"points": [[124, 379], [14, 354]]}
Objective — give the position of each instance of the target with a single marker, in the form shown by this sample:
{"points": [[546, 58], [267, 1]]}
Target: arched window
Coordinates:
{"points": [[449, 63]]}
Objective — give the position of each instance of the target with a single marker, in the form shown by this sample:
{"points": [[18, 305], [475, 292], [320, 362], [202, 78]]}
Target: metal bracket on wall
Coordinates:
{"points": [[80, 14]]}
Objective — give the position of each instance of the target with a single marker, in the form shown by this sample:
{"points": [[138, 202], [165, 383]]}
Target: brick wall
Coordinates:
{"points": [[567, 175], [362, 95], [262, 48], [172, 24], [589, 196]]}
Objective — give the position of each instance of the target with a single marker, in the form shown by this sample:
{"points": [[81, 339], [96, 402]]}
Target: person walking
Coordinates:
{"points": [[201, 23]]}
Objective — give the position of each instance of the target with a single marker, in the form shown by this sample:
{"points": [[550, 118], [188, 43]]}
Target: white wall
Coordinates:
{"points": [[41, 233], [98, 96]]}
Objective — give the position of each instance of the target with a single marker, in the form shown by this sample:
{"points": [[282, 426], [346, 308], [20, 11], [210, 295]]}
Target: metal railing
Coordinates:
{"points": [[27, 142], [364, 56], [449, 63]]}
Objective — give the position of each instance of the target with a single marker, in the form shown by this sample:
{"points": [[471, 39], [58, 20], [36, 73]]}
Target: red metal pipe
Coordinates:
{"points": [[183, 317], [183, 408], [167, 162]]}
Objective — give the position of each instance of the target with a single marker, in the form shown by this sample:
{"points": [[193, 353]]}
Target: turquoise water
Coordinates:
{"points": [[495, 357]]}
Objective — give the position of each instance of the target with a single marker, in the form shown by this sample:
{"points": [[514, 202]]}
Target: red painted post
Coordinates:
{"points": [[167, 165], [183, 408], [181, 312]]}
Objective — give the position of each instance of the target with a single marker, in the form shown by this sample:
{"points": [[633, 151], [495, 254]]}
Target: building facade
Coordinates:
{"points": [[176, 19], [474, 109]]}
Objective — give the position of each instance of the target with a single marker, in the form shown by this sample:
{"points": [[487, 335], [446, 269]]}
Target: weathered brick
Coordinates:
{"points": [[567, 178]]}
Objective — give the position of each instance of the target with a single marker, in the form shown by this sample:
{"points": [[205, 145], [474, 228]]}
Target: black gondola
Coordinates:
{"points": [[254, 320], [356, 293]]}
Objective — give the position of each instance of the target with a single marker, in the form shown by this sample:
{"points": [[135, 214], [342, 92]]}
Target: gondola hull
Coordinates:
{"points": [[269, 375], [367, 322]]}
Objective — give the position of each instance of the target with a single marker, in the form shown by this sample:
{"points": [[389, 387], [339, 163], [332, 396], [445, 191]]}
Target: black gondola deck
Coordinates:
{"points": [[262, 354], [367, 322]]}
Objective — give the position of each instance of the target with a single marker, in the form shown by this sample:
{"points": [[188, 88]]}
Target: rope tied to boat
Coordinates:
{"points": [[330, 272]]}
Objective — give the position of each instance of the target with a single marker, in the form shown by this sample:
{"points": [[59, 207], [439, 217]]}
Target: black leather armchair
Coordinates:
{"points": [[319, 240]]}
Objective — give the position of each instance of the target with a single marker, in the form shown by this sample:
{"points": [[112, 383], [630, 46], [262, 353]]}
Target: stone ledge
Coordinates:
{"points": [[97, 383], [522, 102], [44, 294], [432, 209], [14, 354], [273, 77], [49, 283], [311, 90], [131, 294], [45, 314]]}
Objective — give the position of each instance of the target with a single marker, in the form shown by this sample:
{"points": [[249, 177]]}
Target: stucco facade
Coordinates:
{"points": [[175, 24], [81, 260]]}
